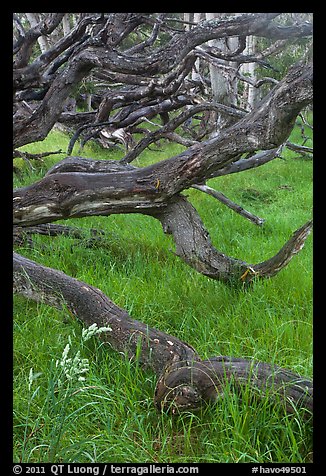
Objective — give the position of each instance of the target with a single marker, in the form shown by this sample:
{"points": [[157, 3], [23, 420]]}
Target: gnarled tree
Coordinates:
{"points": [[143, 81]]}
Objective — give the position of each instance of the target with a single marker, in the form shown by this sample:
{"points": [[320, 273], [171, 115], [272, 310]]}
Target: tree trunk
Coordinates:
{"points": [[195, 75], [224, 86], [66, 24], [113, 187], [79, 54], [249, 69], [42, 41], [147, 79], [185, 381]]}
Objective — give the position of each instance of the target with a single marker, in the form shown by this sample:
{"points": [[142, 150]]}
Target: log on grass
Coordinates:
{"points": [[185, 381]]}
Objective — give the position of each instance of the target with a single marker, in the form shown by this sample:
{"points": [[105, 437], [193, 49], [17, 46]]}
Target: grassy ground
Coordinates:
{"points": [[109, 416]]}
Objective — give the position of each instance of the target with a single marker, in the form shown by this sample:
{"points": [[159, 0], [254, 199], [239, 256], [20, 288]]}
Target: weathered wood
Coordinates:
{"points": [[79, 187], [194, 246], [229, 203], [185, 387], [90, 305], [78, 53], [174, 123], [67, 191], [67, 194], [21, 235], [184, 380]]}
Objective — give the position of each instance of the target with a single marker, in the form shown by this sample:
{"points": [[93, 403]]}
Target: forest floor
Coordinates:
{"points": [[110, 416]]}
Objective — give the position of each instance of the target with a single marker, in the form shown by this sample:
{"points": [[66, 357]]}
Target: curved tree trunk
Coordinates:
{"points": [[185, 381], [108, 187], [79, 187]]}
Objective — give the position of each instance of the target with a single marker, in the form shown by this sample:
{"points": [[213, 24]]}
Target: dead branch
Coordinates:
{"points": [[194, 246], [28, 156], [184, 380], [229, 203]]}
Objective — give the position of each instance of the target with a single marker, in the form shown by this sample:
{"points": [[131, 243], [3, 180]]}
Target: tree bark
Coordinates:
{"points": [[185, 381], [224, 86], [78, 187], [60, 196], [81, 54], [154, 190], [193, 245], [90, 305], [229, 203], [42, 41], [250, 69]]}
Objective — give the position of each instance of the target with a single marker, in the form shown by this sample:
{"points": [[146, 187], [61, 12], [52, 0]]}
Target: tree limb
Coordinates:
{"points": [[248, 163], [99, 52], [299, 148], [194, 247], [90, 305], [176, 122], [44, 27], [154, 190], [184, 380], [229, 203]]}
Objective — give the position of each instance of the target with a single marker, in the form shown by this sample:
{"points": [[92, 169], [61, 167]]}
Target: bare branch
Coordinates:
{"points": [[229, 203], [176, 122], [28, 156], [213, 52], [44, 27], [273, 265], [250, 162], [90, 306], [184, 380], [304, 150], [149, 41], [193, 245]]}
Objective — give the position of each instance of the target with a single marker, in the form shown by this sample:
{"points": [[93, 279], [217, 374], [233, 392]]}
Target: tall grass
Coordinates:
{"points": [[110, 417]]}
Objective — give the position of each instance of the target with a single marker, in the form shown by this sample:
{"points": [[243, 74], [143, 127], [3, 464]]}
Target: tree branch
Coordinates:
{"points": [[273, 265], [90, 305], [184, 380], [44, 27], [229, 203], [301, 149], [174, 123], [94, 55], [184, 387], [194, 246], [253, 161]]}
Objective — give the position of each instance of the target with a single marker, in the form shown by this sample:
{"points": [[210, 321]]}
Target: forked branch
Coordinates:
{"points": [[194, 246]]}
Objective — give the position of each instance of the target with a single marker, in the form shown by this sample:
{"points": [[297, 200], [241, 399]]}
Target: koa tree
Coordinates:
{"points": [[147, 63]]}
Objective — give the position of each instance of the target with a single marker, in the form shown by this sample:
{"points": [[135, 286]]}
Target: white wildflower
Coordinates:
{"points": [[32, 377], [64, 355], [93, 330], [73, 367]]}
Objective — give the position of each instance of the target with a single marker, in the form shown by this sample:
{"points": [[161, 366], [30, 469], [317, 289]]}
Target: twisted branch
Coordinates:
{"points": [[185, 381]]}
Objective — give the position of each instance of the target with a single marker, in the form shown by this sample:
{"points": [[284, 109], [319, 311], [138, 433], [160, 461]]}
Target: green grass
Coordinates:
{"points": [[111, 417]]}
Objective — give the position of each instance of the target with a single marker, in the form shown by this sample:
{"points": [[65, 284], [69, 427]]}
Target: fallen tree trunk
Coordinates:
{"points": [[90, 305], [65, 194], [185, 381]]}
